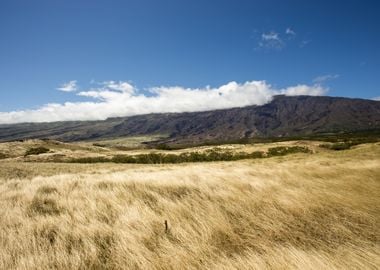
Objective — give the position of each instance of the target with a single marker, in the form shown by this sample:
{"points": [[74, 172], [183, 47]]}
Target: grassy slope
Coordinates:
{"points": [[78, 149], [301, 212], [58, 151]]}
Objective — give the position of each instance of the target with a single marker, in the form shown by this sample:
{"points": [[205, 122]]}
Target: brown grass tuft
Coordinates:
{"points": [[42, 205]]}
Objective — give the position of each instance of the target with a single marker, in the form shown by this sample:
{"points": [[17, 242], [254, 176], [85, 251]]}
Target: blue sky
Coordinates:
{"points": [[45, 44]]}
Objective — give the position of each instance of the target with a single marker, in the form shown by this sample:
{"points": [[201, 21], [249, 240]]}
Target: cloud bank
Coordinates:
{"points": [[114, 99]]}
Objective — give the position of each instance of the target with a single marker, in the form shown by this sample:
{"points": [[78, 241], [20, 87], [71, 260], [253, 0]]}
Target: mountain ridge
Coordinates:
{"points": [[283, 116]]}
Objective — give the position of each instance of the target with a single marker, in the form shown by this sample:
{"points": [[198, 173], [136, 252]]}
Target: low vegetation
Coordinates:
{"points": [[164, 146], [127, 143], [353, 138], [36, 151], [317, 211], [283, 150], [338, 146], [207, 156]]}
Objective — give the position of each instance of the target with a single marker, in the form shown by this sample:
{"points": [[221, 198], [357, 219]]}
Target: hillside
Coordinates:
{"points": [[284, 116]]}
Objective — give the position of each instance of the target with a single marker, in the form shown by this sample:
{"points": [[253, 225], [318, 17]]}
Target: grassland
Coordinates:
{"points": [[299, 211]]}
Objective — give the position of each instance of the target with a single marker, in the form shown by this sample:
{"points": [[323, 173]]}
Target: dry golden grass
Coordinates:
{"points": [[129, 142], [319, 211], [60, 152]]}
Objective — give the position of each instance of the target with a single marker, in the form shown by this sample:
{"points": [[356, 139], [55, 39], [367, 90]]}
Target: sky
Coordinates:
{"points": [[93, 59]]}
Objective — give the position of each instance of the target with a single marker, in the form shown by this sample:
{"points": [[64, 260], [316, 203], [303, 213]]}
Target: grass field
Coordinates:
{"points": [[300, 211]]}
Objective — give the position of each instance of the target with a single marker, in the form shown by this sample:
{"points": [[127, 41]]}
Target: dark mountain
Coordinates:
{"points": [[284, 116]]}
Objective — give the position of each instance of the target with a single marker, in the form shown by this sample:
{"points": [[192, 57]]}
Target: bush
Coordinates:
{"points": [[89, 160], [164, 146], [207, 156], [123, 159], [36, 151], [3, 156], [338, 146], [257, 154], [99, 144], [284, 150]]}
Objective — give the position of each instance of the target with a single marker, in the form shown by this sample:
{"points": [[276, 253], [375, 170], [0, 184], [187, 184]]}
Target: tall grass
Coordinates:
{"points": [[316, 211]]}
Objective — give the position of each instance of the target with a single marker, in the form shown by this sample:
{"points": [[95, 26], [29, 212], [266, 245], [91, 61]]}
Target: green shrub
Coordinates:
{"points": [[257, 154], [338, 146], [89, 160], [207, 156], [36, 151], [163, 146], [285, 150], [99, 144], [123, 159]]}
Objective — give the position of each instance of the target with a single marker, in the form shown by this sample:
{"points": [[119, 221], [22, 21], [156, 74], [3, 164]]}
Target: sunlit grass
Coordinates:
{"points": [[318, 211]]}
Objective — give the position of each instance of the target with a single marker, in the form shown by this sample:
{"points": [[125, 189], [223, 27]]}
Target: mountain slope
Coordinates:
{"points": [[284, 116]]}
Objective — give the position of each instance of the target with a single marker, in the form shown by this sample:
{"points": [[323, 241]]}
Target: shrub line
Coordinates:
{"points": [[208, 156]]}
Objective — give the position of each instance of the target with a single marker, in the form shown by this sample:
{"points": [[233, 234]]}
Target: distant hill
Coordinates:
{"points": [[284, 116]]}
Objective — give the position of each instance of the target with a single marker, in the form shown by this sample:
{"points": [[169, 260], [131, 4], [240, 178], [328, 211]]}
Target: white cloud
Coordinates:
{"points": [[278, 40], [113, 99], [325, 78], [315, 90], [275, 40], [110, 89], [70, 86], [270, 36], [124, 87], [271, 40], [304, 43], [290, 31], [376, 98]]}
